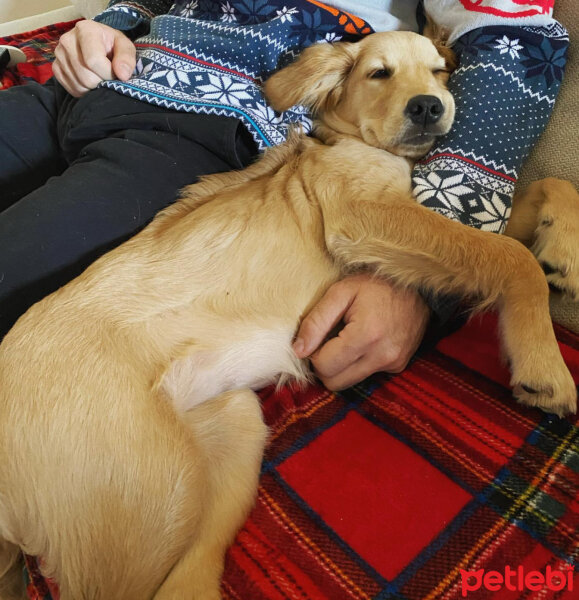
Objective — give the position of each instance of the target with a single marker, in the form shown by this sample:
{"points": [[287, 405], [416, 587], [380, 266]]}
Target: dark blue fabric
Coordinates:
{"points": [[212, 57], [88, 174]]}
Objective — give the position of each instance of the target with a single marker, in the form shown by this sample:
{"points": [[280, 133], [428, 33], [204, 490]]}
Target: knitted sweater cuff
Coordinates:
{"points": [[133, 18]]}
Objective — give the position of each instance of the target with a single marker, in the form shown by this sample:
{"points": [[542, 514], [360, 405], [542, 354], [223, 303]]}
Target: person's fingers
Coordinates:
{"points": [[69, 68], [325, 315], [65, 74], [341, 352], [124, 57], [90, 53], [106, 52], [341, 364], [94, 47], [384, 326], [359, 370]]}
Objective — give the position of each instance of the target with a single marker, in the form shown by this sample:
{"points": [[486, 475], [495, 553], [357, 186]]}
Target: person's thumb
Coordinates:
{"points": [[124, 57], [323, 317]]}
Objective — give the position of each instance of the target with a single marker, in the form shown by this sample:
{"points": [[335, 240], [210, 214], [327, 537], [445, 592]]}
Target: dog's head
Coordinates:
{"points": [[388, 89]]}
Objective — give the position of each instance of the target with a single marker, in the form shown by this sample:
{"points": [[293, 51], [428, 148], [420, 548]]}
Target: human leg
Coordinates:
{"points": [[29, 148], [126, 161]]}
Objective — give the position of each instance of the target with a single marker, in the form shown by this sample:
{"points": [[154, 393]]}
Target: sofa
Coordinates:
{"points": [[557, 150]]}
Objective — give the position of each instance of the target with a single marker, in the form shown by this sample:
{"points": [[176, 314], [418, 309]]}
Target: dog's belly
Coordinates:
{"points": [[253, 361]]}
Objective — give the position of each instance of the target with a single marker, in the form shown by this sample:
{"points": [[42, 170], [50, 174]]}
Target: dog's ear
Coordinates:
{"points": [[438, 35], [315, 80]]}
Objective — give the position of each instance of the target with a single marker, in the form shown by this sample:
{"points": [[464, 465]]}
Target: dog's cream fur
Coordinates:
{"points": [[130, 443]]}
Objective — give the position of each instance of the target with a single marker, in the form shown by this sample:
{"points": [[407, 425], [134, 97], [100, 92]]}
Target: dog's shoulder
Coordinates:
{"points": [[351, 164]]}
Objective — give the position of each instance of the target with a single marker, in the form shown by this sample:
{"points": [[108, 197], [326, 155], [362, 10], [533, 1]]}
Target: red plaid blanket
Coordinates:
{"points": [[426, 485], [39, 48], [431, 484]]}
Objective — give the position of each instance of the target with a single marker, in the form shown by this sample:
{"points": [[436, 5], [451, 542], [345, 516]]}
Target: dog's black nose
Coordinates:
{"points": [[424, 110]]}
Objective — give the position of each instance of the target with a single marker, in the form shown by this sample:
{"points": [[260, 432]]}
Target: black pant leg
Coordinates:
{"points": [[109, 192], [29, 147]]}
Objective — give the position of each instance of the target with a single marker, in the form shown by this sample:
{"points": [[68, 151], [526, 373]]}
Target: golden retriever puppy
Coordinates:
{"points": [[130, 441]]}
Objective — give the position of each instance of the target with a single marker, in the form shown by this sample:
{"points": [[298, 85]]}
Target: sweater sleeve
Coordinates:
{"points": [[505, 87], [132, 17]]}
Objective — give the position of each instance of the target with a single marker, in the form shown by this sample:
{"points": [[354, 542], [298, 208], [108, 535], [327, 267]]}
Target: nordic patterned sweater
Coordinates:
{"points": [[211, 56]]}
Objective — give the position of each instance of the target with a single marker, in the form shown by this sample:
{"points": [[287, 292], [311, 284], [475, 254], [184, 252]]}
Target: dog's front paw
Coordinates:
{"points": [[556, 247], [551, 388]]}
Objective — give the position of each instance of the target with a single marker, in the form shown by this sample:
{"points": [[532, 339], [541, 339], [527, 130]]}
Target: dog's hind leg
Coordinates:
{"points": [[418, 248], [125, 507], [231, 432], [11, 572]]}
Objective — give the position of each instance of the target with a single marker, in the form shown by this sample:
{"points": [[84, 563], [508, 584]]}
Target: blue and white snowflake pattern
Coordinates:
{"points": [[285, 14], [331, 38], [172, 77], [254, 11], [228, 13], [143, 69], [225, 90], [505, 87], [545, 62], [496, 212], [189, 9], [267, 114], [126, 10], [505, 45], [448, 189], [213, 58]]}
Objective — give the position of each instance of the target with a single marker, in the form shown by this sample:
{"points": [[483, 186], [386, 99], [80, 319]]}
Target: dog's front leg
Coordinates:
{"points": [[421, 249]]}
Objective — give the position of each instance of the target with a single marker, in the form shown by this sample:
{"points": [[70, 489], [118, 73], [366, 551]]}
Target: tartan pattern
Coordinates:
{"points": [[510, 474], [389, 489], [38, 45]]}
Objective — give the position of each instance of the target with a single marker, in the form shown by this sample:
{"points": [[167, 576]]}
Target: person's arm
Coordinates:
{"points": [[510, 64], [102, 48]]}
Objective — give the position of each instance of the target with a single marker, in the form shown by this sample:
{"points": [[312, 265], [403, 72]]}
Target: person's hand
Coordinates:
{"points": [[91, 53], [384, 326]]}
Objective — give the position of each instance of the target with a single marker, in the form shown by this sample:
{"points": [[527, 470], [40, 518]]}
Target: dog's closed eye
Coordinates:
{"points": [[381, 74]]}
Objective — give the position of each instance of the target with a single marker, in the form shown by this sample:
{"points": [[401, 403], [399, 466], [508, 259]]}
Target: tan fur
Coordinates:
{"points": [[130, 443], [545, 217]]}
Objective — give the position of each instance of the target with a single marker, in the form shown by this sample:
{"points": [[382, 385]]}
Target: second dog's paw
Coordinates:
{"points": [[556, 248]]}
